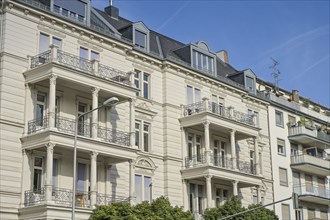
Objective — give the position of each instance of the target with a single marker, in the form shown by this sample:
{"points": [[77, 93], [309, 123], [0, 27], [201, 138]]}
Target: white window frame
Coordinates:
{"points": [[194, 89], [89, 53], [281, 124], [142, 187], [50, 40], [42, 168], [139, 82], [287, 179], [195, 145], [278, 140], [141, 134]]}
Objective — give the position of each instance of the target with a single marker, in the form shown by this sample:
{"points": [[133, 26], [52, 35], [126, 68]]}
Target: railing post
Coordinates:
{"points": [[205, 104], [29, 62], [95, 66], [53, 52]]}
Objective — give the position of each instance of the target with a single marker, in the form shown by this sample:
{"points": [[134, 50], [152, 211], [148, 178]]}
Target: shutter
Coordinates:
{"points": [[285, 211]]}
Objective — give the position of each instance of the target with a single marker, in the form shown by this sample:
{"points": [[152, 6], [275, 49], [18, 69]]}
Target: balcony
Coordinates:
{"points": [[222, 168], [223, 119], [113, 142], [308, 136], [92, 68], [313, 194], [63, 197], [310, 164]]}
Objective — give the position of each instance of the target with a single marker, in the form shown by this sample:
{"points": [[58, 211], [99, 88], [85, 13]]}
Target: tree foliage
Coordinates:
{"points": [[159, 209], [234, 206]]}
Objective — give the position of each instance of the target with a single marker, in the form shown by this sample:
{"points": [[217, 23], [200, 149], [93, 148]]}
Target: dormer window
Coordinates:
{"points": [[250, 84], [75, 9], [203, 62], [140, 39]]}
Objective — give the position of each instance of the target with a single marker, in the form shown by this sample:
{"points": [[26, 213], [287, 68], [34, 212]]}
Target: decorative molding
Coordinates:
{"points": [[145, 163], [50, 31], [193, 83], [218, 92], [90, 45]]}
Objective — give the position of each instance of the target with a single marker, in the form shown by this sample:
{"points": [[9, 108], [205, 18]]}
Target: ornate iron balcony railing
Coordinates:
{"points": [[83, 199], [221, 161], [220, 110], [34, 197], [37, 125], [104, 199], [66, 125], [62, 196], [246, 167], [195, 160], [114, 136], [81, 64]]}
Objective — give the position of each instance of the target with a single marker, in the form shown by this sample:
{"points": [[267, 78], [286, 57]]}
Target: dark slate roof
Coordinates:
{"points": [[167, 45]]}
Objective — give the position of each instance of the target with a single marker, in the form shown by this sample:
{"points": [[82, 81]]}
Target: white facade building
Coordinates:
{"points": [[187, 126]]}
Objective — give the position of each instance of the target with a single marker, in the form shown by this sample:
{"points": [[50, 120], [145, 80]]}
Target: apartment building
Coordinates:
{"points": [[300, 153], [187, 125]]}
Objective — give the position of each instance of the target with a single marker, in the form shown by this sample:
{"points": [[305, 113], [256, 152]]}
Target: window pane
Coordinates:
{"points": [[147, 189], [81, 177], [137, 134], [283, 177], [43, 42], [189, 95], [250, 83], [38, 162], [83, 53], [146, 142], [95, 55], [37, 179], [145, 90], [57, 42], [140, 39], [54, 172], [197, 95], [279, 118], [138, 188], [285, 211]]}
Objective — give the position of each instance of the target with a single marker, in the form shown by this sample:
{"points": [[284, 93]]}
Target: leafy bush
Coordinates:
{"points": [[159, 209], [234, 206]]}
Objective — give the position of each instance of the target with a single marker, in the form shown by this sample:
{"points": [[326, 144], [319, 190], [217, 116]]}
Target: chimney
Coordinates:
{"points": [[112, 10], [223, 55], [295, 96]]}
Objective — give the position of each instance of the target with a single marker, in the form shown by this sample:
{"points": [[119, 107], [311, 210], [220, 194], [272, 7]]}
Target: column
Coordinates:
{"points": [[131, 182], [205, 104], [95, 114], [256, 156], [235, 189], [207, 141], [52, 98], [49, 171], [233, 148], [185, 195], [93, 177], [26, 174], [259, 194], [132, 121], [208, 191], [28, 107], [184, 146]]}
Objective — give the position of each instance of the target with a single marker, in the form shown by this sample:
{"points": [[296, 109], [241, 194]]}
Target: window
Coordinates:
{"points": [[73, 9], [311, 214], [194, 149], [81, 177], [142, 137], [37, 174], [193, 100], [255, 199], [298, 214], [40, 109], [283, 177], [142, 82], [324, 214], [88, 54], [203, 62], [279, 118], [196, 195], [143, 188], [252, 161], [140, 39], [44, 42], [294, 150], [55, 173], [217, 104], [281, 147], [291, 120], [309, 183], [285, 211], [250, 85]]}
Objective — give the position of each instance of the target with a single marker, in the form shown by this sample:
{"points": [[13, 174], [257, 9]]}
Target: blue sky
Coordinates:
{"points": [[295, 33]]}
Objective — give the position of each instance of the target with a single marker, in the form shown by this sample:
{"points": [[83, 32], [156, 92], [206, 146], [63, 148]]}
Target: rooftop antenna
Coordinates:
{"points": [[276, 74]]}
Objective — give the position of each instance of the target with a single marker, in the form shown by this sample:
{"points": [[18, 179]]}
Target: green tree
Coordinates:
{"points": [[159, 209], [234, 206]]}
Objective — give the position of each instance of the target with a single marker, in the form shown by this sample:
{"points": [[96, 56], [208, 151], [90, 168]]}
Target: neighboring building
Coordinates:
{"points": [[300, 153], [188, 125]]}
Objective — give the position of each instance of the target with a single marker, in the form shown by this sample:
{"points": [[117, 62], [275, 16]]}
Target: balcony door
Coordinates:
{"points": [[221, 196], [84, 127], [194, 149], [296, 182], [40, 111], [309, 183], [196, 197], [217, 105], [219, 153], [321, 187]]}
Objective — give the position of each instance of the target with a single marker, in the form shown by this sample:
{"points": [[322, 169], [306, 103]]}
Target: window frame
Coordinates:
{"points": [[50, 41], [42, 168], [140, 83], [278, 140], [281, 124], [141, 135], [286, 183], [288, 208], [143, 188]]}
